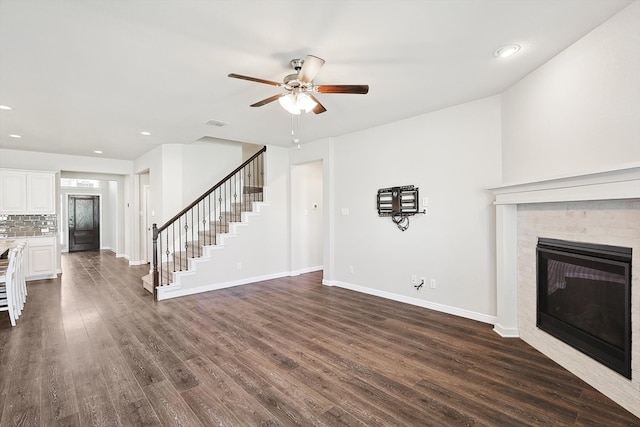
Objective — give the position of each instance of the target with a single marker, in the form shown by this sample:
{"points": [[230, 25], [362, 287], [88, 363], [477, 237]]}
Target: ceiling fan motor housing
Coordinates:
{"points": [[297, 64], [292, 80]]}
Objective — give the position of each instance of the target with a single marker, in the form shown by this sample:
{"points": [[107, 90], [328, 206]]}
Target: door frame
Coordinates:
{"points": [[146, 244], [65, 221]]}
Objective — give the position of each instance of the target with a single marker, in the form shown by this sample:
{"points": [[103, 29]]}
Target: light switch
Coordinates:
{"points": [[345, 211]]}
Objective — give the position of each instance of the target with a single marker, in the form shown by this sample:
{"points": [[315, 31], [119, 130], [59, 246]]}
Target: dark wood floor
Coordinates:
{"points": [[92, 348]]}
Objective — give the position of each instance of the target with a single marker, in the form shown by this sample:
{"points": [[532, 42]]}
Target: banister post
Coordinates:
{"points": [[155, 261]]}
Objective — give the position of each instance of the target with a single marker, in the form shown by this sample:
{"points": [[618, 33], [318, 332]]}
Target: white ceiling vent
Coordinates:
{"points": [[217, 123]]}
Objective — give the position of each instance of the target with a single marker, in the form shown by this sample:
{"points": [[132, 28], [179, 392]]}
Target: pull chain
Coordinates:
{"points": [[295, 129]]}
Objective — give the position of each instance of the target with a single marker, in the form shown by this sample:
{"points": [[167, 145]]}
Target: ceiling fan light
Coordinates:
{"points": [[289, 103], [305, 102]]}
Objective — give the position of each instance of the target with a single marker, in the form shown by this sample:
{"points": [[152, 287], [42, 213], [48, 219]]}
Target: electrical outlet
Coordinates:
{"points": [[351, 269], [414, 279], [239, 266], [432, 283]]}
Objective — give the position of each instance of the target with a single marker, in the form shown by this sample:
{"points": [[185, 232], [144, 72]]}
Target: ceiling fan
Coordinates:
{"points": [[299, 88]]}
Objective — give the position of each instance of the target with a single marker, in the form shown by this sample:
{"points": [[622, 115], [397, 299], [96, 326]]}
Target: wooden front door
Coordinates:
{"points": [[84, 223]]}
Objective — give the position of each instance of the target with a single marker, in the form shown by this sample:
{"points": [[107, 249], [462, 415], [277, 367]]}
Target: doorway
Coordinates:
{"points": [[84, 223], [307, 207]]}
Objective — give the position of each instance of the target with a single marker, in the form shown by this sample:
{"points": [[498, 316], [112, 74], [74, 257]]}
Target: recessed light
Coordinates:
{"points": [[145, 133], [13, 135], [5, 107], [214, 122], [97, 151], [506, 51]]}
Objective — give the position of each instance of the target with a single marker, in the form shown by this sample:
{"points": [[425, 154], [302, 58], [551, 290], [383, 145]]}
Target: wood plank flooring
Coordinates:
{"points": [[92, 348]]}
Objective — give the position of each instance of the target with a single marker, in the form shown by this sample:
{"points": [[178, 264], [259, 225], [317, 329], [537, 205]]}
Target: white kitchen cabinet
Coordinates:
{"points": [[13, 192], [27, 192], [41, 258], [41, 190]]}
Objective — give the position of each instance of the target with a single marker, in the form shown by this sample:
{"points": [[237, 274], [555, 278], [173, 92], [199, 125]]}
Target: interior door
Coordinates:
{"points": [[84, 223]]}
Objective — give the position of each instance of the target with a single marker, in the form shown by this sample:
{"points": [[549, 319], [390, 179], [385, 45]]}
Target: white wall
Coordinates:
{"points": [[205, 164], [172, 181], [277, 184], [179, 173], [46, 161], [451, 155], [249, 150], [581, 110], [111, 242]]}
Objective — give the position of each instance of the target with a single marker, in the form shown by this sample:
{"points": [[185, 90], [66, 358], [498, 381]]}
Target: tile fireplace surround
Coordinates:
{"points": [[600, 207]]}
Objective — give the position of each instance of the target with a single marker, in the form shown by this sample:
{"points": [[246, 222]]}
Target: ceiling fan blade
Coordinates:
{"points": [[266, 100], [357, 89], [253, 79], [310, 68], [319, 108]]}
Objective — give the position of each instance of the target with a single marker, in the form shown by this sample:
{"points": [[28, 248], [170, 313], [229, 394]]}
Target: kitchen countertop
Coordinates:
{"points": [[21, 236]]}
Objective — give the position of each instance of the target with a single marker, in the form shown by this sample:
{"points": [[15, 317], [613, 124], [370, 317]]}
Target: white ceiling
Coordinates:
{"points": [[86, 75]]}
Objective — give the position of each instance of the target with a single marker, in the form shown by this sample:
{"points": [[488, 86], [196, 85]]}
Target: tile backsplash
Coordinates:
{"points": [[28, 225]]}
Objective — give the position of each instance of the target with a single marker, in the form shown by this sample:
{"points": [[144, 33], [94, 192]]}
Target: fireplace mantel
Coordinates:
{"points": [[606, 184]]}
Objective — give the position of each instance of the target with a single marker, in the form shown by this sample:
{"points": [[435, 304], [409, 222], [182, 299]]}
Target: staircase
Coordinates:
{"points": [[193, 235], [214, 236]]}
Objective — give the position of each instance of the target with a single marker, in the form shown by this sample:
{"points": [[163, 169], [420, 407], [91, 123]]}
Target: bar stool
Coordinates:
{"points": [[8, 283], [20, 276]]}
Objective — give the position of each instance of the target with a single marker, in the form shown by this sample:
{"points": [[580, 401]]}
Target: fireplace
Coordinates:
{"points": [[584, 299], [601, 207]]}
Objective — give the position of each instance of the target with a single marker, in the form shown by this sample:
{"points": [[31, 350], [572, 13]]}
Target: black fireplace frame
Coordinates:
{"points": [[616, 358]]}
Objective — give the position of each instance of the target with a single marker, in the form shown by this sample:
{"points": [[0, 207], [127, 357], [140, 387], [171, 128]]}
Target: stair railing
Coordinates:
{"points": [[199, 224]]}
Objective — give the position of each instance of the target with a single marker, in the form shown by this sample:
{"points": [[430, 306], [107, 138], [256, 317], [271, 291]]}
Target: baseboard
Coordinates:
{"points": [[306, 270], [480, 317], [137, 262], [178, 290], [41, 277], [175, 291], [121, 256], [506, 332]]}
